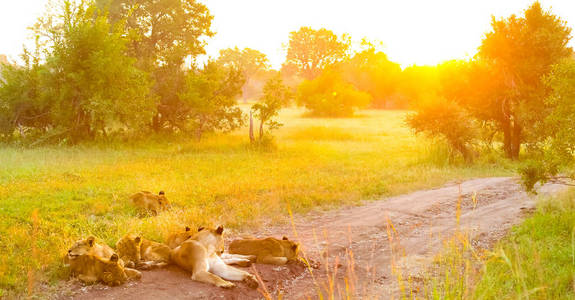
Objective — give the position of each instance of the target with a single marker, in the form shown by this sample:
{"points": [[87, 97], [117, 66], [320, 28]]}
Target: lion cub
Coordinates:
{"points": [[142, 253], [268, 251], [91, 269], [150, 203]]}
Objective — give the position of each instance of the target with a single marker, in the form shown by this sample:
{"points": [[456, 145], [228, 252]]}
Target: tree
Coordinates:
{"points": [[249, 61], [165, 34], [210, 99], [276, 95], [520, 51], [445, 119], [554, 149], [91, 83], [372, 72], [311, 51], [329, 95]]}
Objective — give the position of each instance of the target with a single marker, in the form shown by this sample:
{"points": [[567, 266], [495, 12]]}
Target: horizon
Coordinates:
{"points": [[238, 24]]}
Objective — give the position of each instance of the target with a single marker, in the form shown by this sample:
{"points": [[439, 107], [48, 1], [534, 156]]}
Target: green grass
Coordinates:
{"points": [[537, 260], [319, 163]]}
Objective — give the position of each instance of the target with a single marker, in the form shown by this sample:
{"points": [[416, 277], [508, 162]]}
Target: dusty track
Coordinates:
{"points": [[362, 243]]}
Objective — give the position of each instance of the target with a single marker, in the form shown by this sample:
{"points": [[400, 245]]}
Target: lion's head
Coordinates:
{"points": [[211, 237], [81, 247], [291, 248], [113, 273], [163, 201], [129, 247]]}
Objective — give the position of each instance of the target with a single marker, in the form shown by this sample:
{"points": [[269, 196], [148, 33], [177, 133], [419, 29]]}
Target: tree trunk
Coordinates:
{"points": [[156, 122], [506, 126], [252, 138], [516, 141], [261, 129]]}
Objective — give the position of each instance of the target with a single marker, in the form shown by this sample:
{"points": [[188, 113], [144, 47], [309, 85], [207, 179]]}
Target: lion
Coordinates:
{"points": [[267, 251], [91, 269], [177, 239], [150, 203], [200, 255], [142, 253], [91, 247]]}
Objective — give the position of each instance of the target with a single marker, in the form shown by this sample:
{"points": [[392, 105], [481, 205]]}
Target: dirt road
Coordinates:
{"points": [[358, 245]]}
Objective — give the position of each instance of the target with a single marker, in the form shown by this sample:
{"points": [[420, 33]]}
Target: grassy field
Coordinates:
{"points": [[51, 196]]}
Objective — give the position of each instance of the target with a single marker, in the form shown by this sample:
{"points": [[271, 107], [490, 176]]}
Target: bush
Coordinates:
{"points": [[330, 96]]}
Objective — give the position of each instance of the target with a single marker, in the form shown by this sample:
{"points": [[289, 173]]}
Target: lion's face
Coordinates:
{"points": [[81, 247], [163, 201], [129, 247], [113, 273], [212, 237], [291, 249]]}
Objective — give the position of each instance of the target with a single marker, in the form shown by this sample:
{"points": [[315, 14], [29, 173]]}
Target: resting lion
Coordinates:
{"points": [[142, 253], [268, 251], [91, 269], [150, 203], [200, 255], [91, 247], [177, 239]]}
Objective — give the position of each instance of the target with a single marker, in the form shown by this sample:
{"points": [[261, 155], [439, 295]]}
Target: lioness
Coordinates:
{"points": [[91, 247], [200, 255], [142, 253], [268, 251], [91, 269], [177, 239], [148, 202]]}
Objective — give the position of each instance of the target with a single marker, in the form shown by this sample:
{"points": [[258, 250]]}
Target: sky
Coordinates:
{"points": [[410, 31]]}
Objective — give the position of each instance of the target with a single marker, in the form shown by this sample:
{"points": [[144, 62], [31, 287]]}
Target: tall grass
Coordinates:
{"points": [[83, 190], [535, 261]]}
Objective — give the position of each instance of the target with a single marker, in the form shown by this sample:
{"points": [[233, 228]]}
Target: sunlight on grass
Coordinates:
{"points": [[84, 190]]}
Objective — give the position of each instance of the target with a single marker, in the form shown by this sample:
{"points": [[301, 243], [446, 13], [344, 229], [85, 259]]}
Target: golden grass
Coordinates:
{"points": [[83, 190]]}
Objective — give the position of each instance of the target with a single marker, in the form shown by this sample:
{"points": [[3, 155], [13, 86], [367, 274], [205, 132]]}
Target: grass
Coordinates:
{"points": [[51, 196], [535, 261]]}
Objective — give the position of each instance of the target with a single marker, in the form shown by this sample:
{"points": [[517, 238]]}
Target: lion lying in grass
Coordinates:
{"points": [[147, 202], [142, 253], [267, 251], [91, 269], [199, 255]]}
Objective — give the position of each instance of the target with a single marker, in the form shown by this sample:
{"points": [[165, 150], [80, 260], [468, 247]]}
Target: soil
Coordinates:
{"points": [[358, 251]]}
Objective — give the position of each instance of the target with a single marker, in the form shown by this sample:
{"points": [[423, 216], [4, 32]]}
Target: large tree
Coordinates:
{"points": [[249, 61], [311, 51], [166, 34], [520, 51]]}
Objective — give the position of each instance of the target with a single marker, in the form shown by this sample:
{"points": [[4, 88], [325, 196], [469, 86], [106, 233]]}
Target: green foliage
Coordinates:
{"points": [[311, 51], [553, 149], [164, 34], [446, 119], [372, 72], [210, 99], [329, 95], [276, 95]]}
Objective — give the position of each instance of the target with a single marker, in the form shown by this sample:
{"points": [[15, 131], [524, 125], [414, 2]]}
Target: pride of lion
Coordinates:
{"points": [[200, 252]]}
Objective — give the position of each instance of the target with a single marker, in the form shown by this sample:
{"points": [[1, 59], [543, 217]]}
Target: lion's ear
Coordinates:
{"points": [[138, 240], [187, 228], [285, 238], [200, 228], [220, 230], [91, 240], [294, 247], [114, 257], [161, 193]]}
